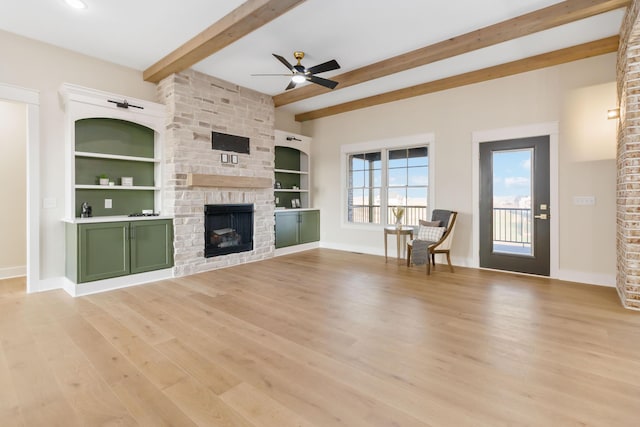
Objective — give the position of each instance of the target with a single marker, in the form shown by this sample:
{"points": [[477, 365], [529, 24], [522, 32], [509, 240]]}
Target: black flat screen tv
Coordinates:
{"points": [[225, 142]]}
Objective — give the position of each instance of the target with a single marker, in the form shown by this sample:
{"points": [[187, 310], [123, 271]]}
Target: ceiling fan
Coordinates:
{"points": [[299, 73]]}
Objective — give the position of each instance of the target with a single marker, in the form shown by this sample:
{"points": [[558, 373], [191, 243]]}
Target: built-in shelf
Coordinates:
{"points": [[103, 140], [292, 169], [116, 157], [115, 187]]}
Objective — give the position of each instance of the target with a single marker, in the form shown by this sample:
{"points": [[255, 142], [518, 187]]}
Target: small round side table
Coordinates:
{"points": [[399, 232]]}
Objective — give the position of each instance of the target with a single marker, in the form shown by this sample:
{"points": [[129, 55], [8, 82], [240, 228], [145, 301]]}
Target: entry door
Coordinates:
{"points": [[514, 205]]}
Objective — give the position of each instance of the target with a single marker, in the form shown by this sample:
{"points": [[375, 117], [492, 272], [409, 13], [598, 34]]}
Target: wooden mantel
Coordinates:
{"points": [[227, 181]]}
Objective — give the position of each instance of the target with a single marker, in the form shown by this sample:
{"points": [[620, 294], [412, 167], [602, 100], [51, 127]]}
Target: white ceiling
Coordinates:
{"points": [[137, 33]]}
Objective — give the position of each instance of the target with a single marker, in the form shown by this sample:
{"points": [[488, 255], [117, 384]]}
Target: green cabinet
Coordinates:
{"points": [[151, 245], [97, 251], [296, 227], [103, 251], [286, 229], [309, 230]]}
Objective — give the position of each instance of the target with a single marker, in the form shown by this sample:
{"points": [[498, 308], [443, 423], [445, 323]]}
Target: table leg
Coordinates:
{"points": [[398, 237], [385, 245]]}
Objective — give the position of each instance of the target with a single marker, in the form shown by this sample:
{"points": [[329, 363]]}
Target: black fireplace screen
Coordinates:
{"points": [[227, 229]]}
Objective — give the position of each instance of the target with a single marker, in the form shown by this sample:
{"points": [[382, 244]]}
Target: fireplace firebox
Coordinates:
{"points": [[228, 229]]}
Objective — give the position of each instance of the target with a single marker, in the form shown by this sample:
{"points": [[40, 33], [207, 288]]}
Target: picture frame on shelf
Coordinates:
{"points": [[295, 203]]}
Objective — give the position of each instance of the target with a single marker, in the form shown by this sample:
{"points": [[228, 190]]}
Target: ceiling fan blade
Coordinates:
{"points": [[288, 75], [322, 82], [285, 62], [325, 66], [291, 85]]}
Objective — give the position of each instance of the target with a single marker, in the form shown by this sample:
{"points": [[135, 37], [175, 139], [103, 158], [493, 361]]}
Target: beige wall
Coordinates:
{"points": [[13, 189], [552, 94], [577, 95], [286, 122], [42, 67]]}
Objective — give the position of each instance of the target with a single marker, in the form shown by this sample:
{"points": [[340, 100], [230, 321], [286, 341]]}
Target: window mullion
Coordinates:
{"points": [[384, 190]]}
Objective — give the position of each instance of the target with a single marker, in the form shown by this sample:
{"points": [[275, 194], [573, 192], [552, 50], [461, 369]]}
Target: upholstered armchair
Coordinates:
{"points": [[434, 237]]}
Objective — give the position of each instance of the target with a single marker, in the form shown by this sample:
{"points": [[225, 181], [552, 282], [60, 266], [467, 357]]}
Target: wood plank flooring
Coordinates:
{"points": [[322, 338]]}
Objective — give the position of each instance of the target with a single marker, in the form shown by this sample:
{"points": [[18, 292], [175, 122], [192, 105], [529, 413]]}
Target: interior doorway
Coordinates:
{"points": [[31, 99], [515, 205], [13, 189]]}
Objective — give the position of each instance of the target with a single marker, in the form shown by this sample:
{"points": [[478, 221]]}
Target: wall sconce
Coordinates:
{"points": [[614, 113]]}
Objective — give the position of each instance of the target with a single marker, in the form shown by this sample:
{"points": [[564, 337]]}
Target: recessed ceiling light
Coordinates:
{"points": [[76, 4]]}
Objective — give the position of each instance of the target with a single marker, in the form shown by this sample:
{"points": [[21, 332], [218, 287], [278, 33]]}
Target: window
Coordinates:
{"points": [[364, 188], [379, 181], [408, 172]]}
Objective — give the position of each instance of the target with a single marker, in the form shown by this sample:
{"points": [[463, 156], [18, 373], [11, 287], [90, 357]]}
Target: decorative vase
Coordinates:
{"points": [[398, 224]]}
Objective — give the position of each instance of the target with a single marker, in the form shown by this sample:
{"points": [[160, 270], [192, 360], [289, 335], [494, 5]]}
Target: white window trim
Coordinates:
{"points": [[427, 139]]}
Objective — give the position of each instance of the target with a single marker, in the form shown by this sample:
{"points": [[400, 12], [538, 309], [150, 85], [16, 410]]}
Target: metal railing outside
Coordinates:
{"points": [[512, 225], [371, 214]]}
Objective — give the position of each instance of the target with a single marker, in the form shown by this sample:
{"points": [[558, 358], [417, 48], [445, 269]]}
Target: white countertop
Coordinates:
{"points": [[295, 209], [117, 218]]}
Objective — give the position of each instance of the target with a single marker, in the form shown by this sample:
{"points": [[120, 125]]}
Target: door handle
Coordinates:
{"points": [[541, 216]]}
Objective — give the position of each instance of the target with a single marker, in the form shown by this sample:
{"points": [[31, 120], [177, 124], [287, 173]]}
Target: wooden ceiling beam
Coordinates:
{"points": [[586, 50], [246, 18], [539, 20]]}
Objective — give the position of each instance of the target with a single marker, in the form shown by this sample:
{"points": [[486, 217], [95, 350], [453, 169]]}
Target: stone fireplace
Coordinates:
{"points": [[228, 229], [195, 175]]}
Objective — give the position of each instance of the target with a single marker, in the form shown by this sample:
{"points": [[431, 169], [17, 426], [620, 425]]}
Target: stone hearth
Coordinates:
{"points": [[198, 104]]}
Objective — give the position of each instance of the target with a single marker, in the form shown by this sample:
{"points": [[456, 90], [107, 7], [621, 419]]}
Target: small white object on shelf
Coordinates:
{"points": [[126, 181]]}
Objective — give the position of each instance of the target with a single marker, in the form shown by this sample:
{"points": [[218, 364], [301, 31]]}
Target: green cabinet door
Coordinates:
{"points": [[309, 226], [103, 250], [286, 229], [297, 227], [151, 245]]}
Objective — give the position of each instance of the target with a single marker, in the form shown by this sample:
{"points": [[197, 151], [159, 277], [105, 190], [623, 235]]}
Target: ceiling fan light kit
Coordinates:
{"points": [[298, 78], [300, 74]]}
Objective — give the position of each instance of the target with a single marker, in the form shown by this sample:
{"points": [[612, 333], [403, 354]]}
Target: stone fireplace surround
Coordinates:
{"points": [[198, 104]]}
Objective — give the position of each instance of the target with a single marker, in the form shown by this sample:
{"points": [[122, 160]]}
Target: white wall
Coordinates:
{"points": [[44, 68], [13, 189], [577, 95]]}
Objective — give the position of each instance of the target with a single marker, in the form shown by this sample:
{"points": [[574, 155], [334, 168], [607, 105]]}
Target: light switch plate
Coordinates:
{"points": [[107, 203], [49, 203], [584, 200]]}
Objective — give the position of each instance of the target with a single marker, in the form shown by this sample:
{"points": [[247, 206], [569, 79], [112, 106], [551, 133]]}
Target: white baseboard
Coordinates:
{"points": [[81, 289], [9, 272], [608, 280], [353, 248]]}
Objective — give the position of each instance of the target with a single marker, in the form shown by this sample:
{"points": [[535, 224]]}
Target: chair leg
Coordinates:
{"points": [[449, 261], [428, 266], [409, 247]]}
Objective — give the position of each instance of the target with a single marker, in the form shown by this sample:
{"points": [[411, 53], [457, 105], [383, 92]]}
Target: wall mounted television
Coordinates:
{"points": [[225, 142]]}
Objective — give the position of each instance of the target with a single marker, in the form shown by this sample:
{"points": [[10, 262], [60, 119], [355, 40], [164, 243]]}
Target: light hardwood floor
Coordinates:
{"points": [[322, 338]]}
